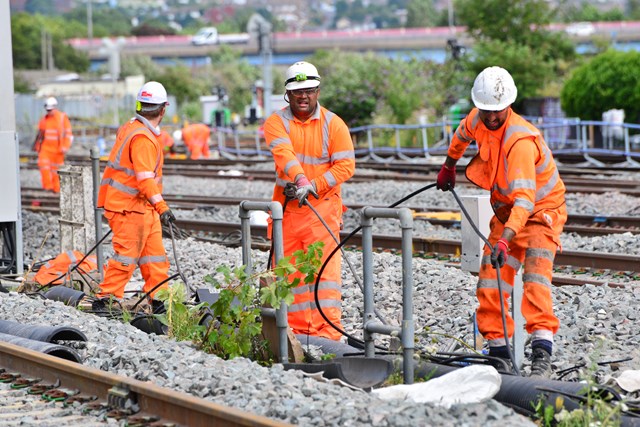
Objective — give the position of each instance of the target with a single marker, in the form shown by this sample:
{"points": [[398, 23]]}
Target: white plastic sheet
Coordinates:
{"points": [[471, 384]]}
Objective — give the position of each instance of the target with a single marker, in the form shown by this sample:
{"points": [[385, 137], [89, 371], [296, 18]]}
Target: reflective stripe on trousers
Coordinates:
{"points": [[49, 163], [301, 227], [535, 248], [137, 240]]}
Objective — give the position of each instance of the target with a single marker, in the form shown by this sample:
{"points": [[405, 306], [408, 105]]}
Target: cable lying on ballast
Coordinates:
{"points": [[393, 205]]}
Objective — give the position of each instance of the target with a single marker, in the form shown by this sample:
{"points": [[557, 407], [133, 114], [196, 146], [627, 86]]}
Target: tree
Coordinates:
{"points": [[348, 85], [609, 80], [421, 13], [26, 31], [516, 39]]}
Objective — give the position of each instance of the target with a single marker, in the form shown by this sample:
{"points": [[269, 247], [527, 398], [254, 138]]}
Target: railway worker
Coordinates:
{"points": [[52, 142], [313, 154], [167, 143], [131, 195], [196, 139], [527, 195]]}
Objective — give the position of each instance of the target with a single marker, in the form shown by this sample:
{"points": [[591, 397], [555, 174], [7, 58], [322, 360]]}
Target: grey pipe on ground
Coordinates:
{"points": [[47, 334], [56, 350]]}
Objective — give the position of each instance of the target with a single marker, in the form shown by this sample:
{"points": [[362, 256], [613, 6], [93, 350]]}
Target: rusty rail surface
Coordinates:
{"points": [[169, 405]]}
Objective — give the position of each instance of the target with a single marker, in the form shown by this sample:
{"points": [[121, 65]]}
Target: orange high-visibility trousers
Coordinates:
{"points": [[301, 227], [200, 150], [535, 248], [49, 163], [137, 240]]}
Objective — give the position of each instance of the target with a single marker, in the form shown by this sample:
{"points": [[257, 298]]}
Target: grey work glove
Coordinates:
{"points": [[290, 191], [167, 217], [304, 188]]}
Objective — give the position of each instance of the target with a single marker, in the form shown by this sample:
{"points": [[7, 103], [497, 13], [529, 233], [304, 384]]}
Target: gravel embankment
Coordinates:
{"points": [[597, 323]]}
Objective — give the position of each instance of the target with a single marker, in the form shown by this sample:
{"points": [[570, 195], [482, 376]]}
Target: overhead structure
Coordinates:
{"points": [[260, 29], [113, 48], [11, 207]]}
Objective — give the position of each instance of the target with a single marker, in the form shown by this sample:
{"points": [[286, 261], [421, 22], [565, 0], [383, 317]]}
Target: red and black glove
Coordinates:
{"points": [[304, 188], [446, 178], [500, 253]]}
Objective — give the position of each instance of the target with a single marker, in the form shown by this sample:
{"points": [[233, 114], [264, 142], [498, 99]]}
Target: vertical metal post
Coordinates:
{"points": [[408, 328], [95, 167], [367, 282], [406, 331], [245, 231], [278, 251]]}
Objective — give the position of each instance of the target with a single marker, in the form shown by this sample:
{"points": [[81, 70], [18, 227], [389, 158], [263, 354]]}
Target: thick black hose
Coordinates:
{"points": [[337, 248], [502, 312]]}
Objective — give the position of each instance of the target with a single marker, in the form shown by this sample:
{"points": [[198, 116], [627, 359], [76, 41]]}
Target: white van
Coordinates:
{"points": [[207, 35]]}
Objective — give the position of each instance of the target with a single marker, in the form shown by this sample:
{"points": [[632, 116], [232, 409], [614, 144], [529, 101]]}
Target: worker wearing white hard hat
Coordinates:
{"points": [[313, 154], [131, 196], [515, 164], [52, 142]]}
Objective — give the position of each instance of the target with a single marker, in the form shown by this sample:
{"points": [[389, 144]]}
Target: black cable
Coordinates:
{"points": [[175, 257], [146, 294], [8, 245], [337, 248], [502, 311], [76, 265]]}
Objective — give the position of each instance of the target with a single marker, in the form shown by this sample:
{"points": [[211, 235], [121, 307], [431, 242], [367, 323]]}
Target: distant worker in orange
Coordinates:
{"points": [[196, 138], [167, 143], [52, 142], [527, 195], [313, 154], [131, 195]]}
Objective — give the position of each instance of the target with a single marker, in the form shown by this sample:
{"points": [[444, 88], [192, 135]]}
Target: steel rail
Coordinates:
{"points": [[179, 408], [598, 260], [585, 225]]}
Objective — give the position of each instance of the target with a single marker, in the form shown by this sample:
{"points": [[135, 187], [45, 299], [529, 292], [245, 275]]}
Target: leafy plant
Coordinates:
{"points": [[231, 326], [597, 408]]}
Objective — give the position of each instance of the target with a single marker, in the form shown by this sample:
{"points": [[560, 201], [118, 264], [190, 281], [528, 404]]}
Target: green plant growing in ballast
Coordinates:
{"points": [[236, 325]]}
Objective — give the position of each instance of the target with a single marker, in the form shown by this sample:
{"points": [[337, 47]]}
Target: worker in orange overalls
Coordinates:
{"points": [[313, 154], [52, 142], [131, 195], [196, 138], [527, 195], [167, 144]]}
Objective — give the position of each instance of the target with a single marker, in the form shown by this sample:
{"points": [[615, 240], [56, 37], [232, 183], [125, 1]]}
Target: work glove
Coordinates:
{"points": [[290, 191], [499, 253], [446, 179], [304, 188], [167, 217]]}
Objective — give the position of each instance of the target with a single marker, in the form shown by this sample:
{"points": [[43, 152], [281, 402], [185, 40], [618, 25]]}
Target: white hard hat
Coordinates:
{"points": [[177, 135], [50, 103], [301, 75], [493, 89], [152, 93]]}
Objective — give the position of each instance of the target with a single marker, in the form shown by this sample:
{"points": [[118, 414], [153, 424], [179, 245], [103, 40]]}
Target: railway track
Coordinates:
{"points": [[424, 246], [576, 180], [115, 395], [584, 225]]}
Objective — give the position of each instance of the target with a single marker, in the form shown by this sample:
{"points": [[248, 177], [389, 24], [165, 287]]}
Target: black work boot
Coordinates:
{"points": [[157, 307], [100, 307], [540, 363]]}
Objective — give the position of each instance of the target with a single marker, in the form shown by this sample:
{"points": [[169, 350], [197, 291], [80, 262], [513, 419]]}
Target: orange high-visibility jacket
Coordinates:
{"points": [[320, 148], [60, 266], [55, 130], [196, 134], [514, 164], [166, 141], [132, 179]]}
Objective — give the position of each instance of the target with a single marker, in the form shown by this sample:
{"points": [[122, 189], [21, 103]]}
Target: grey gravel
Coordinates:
{"points": [[597, 323]]}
